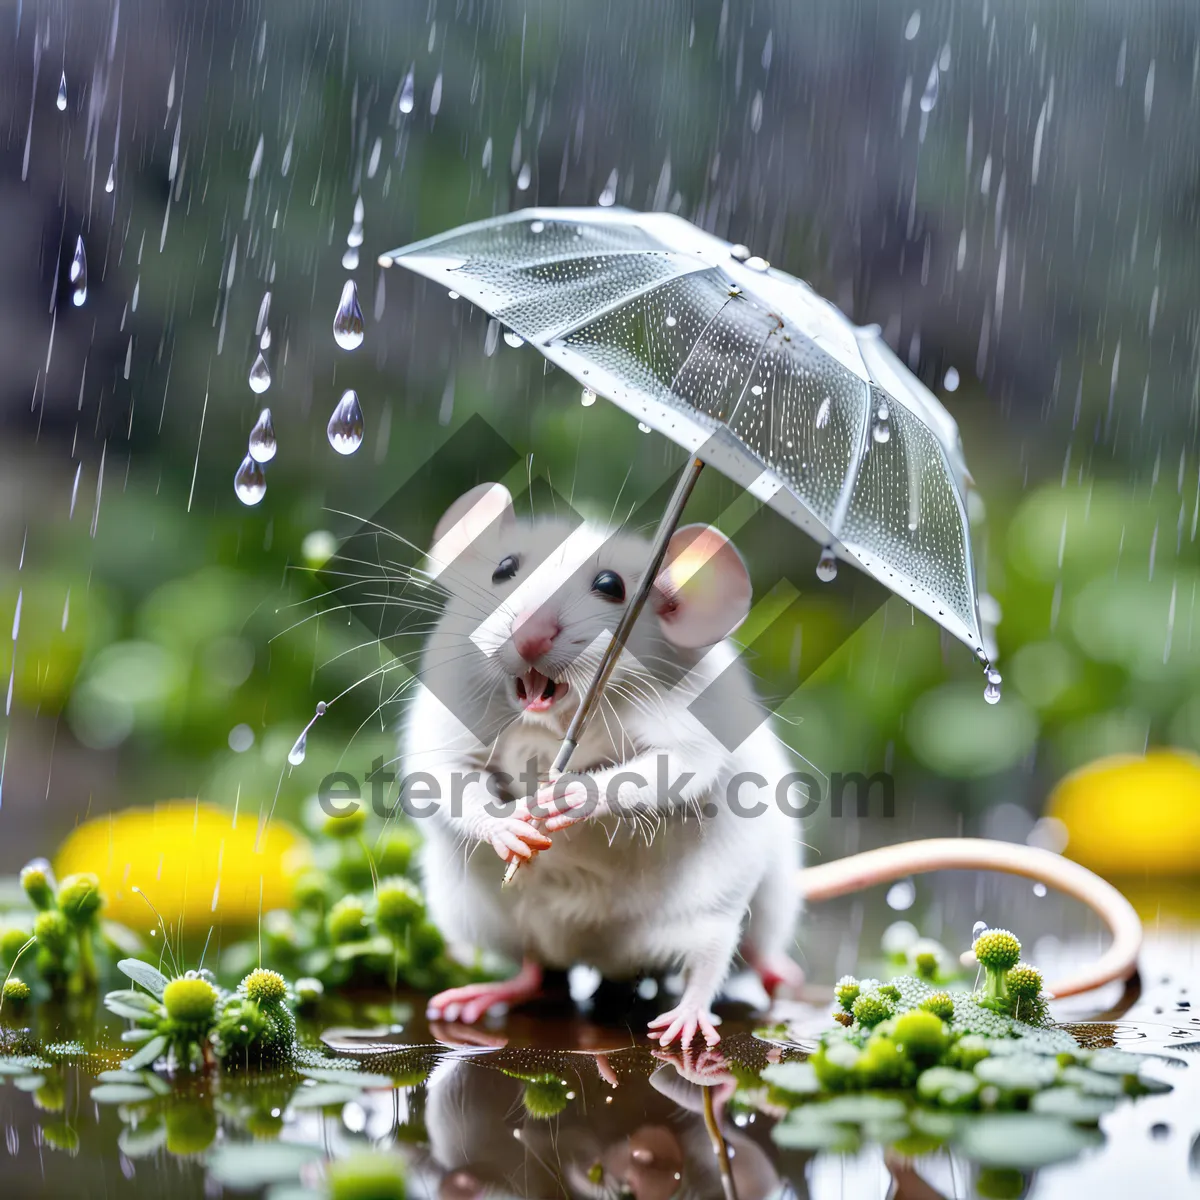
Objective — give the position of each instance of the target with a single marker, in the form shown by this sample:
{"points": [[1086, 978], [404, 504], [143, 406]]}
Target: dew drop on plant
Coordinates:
{"points": [[78, 274], [515, 340], [345, 429], [348, 321], [589, 398], [250, 482], [405, 103], [262, 438], [980, 927], [260, 376], [991, 692], [61, 102], [299, 749], [827, 567]]}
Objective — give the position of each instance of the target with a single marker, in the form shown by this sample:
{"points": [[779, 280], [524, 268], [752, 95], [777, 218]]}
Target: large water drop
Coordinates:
{"points": [[250, 482], [345, 427], [881, 431], [589, 397], [78, 274], [61, 102], [491, 339], [405, 103], [260, 376], [299, 749], [515, 340], [348, 321], [991, 692], [827, 567], [262, 445]]}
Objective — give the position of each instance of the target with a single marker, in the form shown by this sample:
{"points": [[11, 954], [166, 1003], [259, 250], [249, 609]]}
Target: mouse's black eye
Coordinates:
{"points": [[609, 585], [506, 570]]}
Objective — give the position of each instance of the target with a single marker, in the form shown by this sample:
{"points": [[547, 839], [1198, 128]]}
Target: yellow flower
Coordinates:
{"points": [[1132, 813], [190, 860]]}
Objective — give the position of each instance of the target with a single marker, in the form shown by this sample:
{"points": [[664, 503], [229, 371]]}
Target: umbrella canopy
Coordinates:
{"points": [[745, 367]]}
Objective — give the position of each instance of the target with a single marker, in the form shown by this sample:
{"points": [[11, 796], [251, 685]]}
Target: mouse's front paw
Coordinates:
{"points": [[516, 837], [682, 1023], [560, 805]]}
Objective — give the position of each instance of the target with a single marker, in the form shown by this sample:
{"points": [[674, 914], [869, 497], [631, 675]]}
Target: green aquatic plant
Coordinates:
{"points": [[914, 1066]]}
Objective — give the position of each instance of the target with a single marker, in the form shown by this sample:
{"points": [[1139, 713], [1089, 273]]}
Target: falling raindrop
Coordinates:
{"points": [[405, 103], [524, 177], [110, 182], [913, 27], [951, 381], [827, 566], [514, 340], [980, 927], [61, 102], [345, 429], [78, 274], [262, 438], [1039, 890], [264, 310], [260, 376], [264, 342], [901, 895], [350, 259], [930, 94], [348, 321], [881, 431], [608, 197], [492, 338], [991, 692], [589, 398], [823, 413], [250, 482], [354, 238]]}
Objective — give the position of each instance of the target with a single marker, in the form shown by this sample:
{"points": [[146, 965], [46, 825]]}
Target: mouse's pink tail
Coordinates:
{"points": [[859, 871]]}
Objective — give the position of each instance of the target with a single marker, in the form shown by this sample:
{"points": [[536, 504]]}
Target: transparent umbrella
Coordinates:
{"points": [[749, 370]]}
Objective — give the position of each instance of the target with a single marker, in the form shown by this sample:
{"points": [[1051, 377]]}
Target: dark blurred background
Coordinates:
{"points": [[1009, 188]]}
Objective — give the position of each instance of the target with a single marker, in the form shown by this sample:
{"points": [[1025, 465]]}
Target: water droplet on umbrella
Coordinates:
{"points": [[513, 339], [350, 259], [950, 383], [250, 482], [643, 427], [345, 429], [348, 321], [537, 226], [671, 321], [492, 338], [991, 693], [827, 566], [78, 274], [740, 252], [110, 182], [299, 749], [823, 413], [930, 94], [757, 264], [260, 376], [589, 398], [262, 438], [405, 103], [61, 102], [979, 928], [452, 294], [882, 429]]}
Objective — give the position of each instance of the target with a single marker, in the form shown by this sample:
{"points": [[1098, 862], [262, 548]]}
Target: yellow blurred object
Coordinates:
{"points": [[1132, 813], [190, 860]]}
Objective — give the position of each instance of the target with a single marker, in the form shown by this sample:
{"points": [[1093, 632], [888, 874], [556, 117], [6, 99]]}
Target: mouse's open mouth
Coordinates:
{"points": [[538, 692]]}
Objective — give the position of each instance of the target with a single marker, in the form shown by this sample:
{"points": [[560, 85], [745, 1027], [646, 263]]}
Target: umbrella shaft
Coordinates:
{"points": [[658, 551]]}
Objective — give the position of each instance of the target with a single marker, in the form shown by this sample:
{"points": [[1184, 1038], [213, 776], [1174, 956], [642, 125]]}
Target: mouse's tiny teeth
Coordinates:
{"points": [[548, 690]]}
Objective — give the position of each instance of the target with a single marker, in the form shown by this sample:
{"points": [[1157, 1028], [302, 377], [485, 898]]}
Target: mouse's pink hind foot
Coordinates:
{"points": [[682, 1023], [468, 1004], [777, 972]]}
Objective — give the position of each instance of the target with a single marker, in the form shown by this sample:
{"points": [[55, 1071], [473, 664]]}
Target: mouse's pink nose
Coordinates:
{"points": [[533, 633]]}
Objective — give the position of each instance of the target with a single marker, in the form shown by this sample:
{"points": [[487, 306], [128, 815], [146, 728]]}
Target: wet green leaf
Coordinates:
{"points": [[246, 1168], [1025, 1140], [151, 978], [146, 1055], [121, 1093]]}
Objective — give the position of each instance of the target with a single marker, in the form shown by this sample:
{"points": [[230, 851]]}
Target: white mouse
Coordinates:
{"points": [[656, 864], [658, 871]]}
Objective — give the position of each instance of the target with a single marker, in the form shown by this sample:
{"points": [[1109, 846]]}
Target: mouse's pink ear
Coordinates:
{"points": [[702, 593], [488, 506]]}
